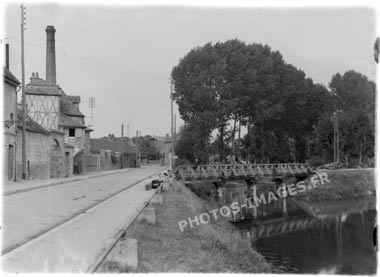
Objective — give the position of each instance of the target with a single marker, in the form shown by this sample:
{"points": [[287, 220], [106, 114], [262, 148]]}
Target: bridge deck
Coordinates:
{"points": [[231, 171]]}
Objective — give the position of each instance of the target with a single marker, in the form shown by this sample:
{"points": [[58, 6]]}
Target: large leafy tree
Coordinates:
{"points": [[355, 98], [222, 87]]}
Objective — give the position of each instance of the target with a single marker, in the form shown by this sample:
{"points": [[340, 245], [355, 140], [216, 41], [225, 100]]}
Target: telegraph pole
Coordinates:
{"points": [[137, 147], [23, 148], [171, 117], [175, 127], [121, 145]]}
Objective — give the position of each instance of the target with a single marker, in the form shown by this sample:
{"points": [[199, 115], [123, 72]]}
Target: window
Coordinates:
{"points": [[11, 117], [71, 132]]}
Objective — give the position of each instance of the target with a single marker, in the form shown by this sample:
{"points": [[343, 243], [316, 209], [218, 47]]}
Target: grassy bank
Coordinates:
{"points": [[213, 247], [343, 185]]}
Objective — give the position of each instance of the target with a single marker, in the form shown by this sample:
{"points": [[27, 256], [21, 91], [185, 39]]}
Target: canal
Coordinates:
{"points": [[321, 237]]}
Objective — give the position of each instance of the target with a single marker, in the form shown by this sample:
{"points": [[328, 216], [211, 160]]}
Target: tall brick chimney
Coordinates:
{"points": [[51, 77]]}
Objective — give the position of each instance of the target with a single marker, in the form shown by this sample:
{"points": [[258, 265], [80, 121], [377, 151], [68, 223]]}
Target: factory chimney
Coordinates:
{"points": [[51, 77]]}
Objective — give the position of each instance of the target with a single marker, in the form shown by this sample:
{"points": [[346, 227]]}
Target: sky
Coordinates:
{"points": [[123, 55]]}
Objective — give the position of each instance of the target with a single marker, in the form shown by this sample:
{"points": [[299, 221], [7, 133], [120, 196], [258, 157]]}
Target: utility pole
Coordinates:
{"points": [[137, 147], [128, 130], [23, 147], [175, 127], [121, 146], [172, 127]]}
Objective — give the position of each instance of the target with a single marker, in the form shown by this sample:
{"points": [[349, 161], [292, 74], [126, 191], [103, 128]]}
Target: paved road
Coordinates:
{"points": [[27, 215]]}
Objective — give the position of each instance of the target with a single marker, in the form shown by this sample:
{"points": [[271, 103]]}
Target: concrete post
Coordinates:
{"points": [[125, 254], [148, 214], [118, 159], [284, 208], [157, 199], [108, 158], [103, 160]]}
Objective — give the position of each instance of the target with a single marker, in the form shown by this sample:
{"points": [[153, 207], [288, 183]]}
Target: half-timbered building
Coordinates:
{"points": [[49, 106]]}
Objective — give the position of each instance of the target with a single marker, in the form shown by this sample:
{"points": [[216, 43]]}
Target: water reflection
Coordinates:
{"points": [[328, 243]]}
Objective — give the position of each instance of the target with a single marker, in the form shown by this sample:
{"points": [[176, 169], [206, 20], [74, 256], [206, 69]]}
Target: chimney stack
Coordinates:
{"points": [[7, 56], [51, 77]]}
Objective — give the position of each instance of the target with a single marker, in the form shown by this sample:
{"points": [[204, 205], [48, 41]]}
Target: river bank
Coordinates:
{"points": [[214, 247], [343, 184]]}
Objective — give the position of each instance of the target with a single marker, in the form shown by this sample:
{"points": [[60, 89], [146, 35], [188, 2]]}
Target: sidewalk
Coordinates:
{"points": [[26, 185]]}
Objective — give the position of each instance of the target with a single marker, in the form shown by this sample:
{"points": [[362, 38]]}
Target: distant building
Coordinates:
{"points": [[165, 146], [10, 115], [114, 149], [115, 144]]}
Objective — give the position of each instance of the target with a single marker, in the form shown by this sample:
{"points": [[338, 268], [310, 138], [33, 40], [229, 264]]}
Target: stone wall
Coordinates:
{"points": [[107, 161], [92, 162], [37, 156]]}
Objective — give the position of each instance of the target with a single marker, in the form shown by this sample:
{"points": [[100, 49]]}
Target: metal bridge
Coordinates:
{"points": [[216, 172], [282, 226]]}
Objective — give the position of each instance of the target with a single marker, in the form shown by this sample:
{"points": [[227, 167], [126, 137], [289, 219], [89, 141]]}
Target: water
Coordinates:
{"points": [[336, 238]]}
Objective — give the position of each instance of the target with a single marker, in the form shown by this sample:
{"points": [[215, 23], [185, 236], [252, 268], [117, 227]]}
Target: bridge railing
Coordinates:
{"points": [[218, 171]]}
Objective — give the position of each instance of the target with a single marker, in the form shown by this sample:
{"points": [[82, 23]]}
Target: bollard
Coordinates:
{"points": [[148, 214], [125, 255], [165, 186], [157, 199], [148, 186]]}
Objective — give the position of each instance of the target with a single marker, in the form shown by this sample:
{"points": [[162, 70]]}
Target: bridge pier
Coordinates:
{"points": [[284, 206]]}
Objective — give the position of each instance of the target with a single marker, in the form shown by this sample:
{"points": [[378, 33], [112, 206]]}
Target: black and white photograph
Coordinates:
{"points": [[189, 136]]}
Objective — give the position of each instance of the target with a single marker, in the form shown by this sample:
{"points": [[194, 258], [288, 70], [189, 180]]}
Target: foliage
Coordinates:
{"points": [[147, 147], [222, 87]]}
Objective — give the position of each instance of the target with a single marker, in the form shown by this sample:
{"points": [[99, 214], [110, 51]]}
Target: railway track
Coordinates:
{"points": [[11, 253]]}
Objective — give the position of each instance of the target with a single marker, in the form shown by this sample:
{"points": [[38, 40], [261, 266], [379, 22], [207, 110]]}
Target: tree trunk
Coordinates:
{"points": [[221, 141], [233, 136], [334, 143], [294, 148], [239, 132], [308, 147], [248, 140], [337, 144], [360, 151]]}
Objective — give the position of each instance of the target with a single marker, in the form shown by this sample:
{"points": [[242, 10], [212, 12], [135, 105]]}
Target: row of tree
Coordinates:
{"points": [[224, 88]]}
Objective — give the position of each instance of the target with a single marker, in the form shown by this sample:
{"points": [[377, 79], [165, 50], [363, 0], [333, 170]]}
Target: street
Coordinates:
{"points": [[29, 214]]}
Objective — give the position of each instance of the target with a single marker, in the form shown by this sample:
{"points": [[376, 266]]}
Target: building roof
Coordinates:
{"points": [[75, 99], [39, 86], [68, 145], [68, 107], [162, 138], [10, 78], [70, 115], [70, 122], [166, 139], [113, 144], [42, 90], [31, 125]]}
